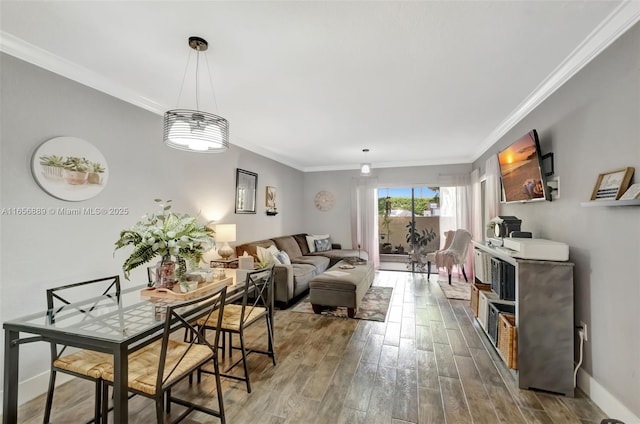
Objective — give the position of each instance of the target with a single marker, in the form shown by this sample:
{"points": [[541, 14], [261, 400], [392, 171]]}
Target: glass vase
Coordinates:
{"points": [[166, 273]]}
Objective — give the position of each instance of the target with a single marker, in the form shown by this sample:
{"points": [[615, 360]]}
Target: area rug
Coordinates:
{"points": [[374, 305], [457, 290]]}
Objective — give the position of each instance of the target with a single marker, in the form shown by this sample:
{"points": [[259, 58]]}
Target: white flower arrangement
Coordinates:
{"points": [[166, 234]]}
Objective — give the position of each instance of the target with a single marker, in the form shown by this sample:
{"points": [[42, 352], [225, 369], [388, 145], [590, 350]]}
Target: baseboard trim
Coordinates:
{"points": [[605, 400], [34, 387]]}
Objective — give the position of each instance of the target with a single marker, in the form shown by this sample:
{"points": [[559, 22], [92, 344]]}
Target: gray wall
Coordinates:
{"points": [[592, 125], [337, 220], [45, 251]]}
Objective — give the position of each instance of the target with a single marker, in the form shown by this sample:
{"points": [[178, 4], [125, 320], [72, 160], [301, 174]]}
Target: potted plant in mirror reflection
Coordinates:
{"points": [[168, 235]]}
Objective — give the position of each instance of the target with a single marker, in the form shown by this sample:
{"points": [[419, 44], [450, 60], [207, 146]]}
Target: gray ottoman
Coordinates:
{"points": [[341, 287]]}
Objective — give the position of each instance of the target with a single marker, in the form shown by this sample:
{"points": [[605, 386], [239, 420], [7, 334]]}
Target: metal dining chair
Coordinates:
{"points": [[257, 303], [154, 370], [86, 364]]}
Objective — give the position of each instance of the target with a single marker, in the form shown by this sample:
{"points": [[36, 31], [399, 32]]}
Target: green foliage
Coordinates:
{"points": [[52, 160], [97, 168], [419, 239], [404, 203], [165, 234], [74, 163]]}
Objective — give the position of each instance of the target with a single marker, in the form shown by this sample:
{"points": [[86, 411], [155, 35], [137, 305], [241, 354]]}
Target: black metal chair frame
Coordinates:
{"points": [[182, 316], [56, 302], [259, 284]]}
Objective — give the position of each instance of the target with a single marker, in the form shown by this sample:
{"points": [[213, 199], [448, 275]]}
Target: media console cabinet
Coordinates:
{"points": [[543, 318]]}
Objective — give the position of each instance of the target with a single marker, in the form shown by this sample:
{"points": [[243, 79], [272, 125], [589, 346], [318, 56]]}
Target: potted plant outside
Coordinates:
{"points": [[418, 241]]}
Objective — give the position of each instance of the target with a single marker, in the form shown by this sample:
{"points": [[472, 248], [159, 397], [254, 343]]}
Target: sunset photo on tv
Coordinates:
{"points": [[520, 170]]}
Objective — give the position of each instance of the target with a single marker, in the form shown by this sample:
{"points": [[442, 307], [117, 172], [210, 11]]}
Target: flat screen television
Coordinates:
{"points": [[521, 171]]}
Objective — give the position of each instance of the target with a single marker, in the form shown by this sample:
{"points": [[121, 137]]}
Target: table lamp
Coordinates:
{"points": [[225, 233]]}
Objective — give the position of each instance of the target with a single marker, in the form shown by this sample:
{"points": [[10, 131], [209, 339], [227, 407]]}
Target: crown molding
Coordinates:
{"points": [[35, 55], [391, 164], [610, 29]]}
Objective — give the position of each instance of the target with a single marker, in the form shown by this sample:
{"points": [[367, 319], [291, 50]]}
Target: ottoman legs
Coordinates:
{"points": [[351, 312]]}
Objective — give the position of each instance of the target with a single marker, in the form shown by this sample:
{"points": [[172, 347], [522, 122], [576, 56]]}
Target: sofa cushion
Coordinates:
{"points": [[318, 261], [311, 238], [269, 255], [251, 248], [322, 245], [336, 256], [283, 257], [289, 245], [302, 274], [301, 239]]}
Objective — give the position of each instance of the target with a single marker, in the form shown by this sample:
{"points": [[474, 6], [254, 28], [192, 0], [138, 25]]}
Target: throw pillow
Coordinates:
{"points": [[283, 257], [311, 238], [268, 255], [322, 245], [261, 253]]}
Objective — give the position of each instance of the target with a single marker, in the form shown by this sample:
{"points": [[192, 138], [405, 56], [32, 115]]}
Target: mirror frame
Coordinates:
{"points": [[246, 189]]}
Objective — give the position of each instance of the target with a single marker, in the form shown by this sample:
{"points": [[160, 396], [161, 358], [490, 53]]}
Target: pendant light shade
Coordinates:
{"points": [[365, 167], [195, 130]]}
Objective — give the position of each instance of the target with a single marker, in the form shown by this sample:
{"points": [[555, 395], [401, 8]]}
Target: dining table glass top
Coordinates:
{"points": [[104, 317]]}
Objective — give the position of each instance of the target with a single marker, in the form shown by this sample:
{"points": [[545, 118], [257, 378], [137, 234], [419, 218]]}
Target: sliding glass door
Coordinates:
{"points": [[402, 210]]}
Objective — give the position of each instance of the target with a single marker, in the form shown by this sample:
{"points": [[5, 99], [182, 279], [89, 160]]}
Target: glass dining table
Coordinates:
{"points": [[118, 326]]}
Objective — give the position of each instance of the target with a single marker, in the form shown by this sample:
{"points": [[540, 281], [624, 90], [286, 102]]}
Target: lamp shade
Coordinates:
{"points": [[226, 232], [196, 131], [365, 168]]}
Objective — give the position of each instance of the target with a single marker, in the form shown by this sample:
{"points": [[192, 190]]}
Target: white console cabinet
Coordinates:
{"points": [[543, 317]]}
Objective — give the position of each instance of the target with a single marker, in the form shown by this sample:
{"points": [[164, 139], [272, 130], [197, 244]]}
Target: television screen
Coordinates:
{"points": [[521, 170]]}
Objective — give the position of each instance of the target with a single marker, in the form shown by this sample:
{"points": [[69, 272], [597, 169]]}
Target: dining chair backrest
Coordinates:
{"points": [[258, 285], [59, 297], [183, 315]]}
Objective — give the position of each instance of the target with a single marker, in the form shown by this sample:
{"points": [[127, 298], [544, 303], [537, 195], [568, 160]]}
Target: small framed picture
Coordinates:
{"points": [[270, 197], [632, 192], [611, 185]]}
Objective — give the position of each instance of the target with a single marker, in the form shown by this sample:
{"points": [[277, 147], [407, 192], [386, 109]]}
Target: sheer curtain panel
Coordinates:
{"points": [[364, 217], [455, 208]]}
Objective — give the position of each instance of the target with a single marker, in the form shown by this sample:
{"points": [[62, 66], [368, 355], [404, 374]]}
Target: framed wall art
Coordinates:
{"points": [[270, 200], [611, 185], [69, 168], [246, 186], [633, 192]]}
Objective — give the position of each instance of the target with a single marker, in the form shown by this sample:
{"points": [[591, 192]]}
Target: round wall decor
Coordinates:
{"points": [[69, 168], [324, 200]]}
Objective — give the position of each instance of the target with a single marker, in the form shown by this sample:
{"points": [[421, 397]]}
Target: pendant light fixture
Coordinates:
{"points": [[195, 130], [365, 167]]}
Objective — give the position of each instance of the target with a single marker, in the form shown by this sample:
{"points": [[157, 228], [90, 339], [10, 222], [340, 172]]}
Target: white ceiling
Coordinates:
{"points": [[311, 84]]}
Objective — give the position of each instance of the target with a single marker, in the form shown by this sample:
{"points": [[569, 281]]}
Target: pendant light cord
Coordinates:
{"points": [[184, 77], [197, 66], [215, 101]]}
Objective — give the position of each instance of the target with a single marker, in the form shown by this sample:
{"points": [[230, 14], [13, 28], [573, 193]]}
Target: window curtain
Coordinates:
{"points": [[364, 217], [455, 211], [477, 227], [492, 185]]}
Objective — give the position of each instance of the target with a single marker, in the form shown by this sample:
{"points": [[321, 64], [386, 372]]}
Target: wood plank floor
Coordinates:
{"points": [[426, 364]]}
